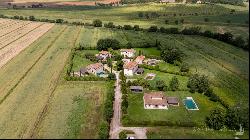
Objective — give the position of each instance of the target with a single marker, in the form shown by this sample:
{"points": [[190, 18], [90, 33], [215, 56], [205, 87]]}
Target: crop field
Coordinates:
{"points": [[15, 36], [220, 19], [75, 112], [24, 101]]}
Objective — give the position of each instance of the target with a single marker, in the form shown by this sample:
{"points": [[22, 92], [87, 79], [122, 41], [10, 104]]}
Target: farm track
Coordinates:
{"points": [[14, 36], [44, 111], [11, 90], [209, 58], [6, 32]]}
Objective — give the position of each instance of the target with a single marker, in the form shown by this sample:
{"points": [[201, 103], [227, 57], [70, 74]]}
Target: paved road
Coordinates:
{"points": [[116, 126]]}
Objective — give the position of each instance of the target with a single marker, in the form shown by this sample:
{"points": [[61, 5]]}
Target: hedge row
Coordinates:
{"points": [[103, 131], [225, 37], [130, 122]]}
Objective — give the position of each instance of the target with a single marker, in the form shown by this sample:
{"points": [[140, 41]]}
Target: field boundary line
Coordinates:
{"points": [[16, 29], [23, 35], [42, 114], [25, 74]]}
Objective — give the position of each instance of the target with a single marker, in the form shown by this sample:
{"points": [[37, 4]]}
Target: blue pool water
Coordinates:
{"points": [[190, 104]]}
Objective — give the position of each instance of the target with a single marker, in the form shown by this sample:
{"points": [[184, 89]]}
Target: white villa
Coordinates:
{"points": [[155, 100], [95, 68], [128, 52], [139, 59], [130, 68]]}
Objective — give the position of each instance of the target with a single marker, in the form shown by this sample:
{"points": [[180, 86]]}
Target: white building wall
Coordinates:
{"points": [[128, 72]]}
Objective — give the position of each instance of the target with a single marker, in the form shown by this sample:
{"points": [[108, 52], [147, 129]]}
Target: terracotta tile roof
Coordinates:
{"points": [[130, 65], [140, 58], [95, 66], [128, 50], [155, 98], [104, 52]]}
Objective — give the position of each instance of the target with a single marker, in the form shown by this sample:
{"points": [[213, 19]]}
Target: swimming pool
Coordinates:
{"points": [[190, 104]]}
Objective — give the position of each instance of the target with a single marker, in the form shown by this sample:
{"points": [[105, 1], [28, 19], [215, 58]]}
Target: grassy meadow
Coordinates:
{"points": [[75, 111]]}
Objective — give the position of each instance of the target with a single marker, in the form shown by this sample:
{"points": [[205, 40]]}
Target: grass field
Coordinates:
{"points": [[190, 133], [76, 111], [177, 115], [218, 15]]}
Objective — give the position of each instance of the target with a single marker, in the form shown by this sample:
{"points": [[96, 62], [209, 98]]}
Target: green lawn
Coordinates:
{"points": [[166, 77], [80, 61], [190, 133], [179, 115]]}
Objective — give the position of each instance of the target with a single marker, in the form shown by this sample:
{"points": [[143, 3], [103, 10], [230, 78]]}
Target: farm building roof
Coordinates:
{"points": [[155, 98], [136, 88], [140, 58], [95, 66], [130, 65], [172, 100]]}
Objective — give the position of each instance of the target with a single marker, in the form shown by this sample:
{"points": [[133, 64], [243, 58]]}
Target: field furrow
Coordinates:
{"points": [[25, 61], [23, 106], [16, 47], [8, 39], [14, 28]]}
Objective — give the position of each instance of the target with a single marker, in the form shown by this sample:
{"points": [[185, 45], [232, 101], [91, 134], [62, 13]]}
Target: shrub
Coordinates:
{"points": [[127, 27], [153, 29], [136, 28], [184, 67], [198, 83], [176, 22], [171, 54], [206, 19], [182, 21], [166, 21], [122, 135], [59, 20], [32, 18], [104, 44], [97, 23], [140, 14], [103, 130], [174, 84], [216, 119]]}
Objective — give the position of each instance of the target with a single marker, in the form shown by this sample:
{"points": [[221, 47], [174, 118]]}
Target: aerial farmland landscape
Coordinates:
{"points": [[124, 69]]}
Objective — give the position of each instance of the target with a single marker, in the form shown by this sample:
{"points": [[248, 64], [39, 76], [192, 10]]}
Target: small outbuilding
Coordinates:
{"points": [[136, 88], [173, 101], [140, 71]]}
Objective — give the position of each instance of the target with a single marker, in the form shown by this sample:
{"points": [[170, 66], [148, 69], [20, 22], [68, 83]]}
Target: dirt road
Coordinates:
{"points": [[116, 126]]}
